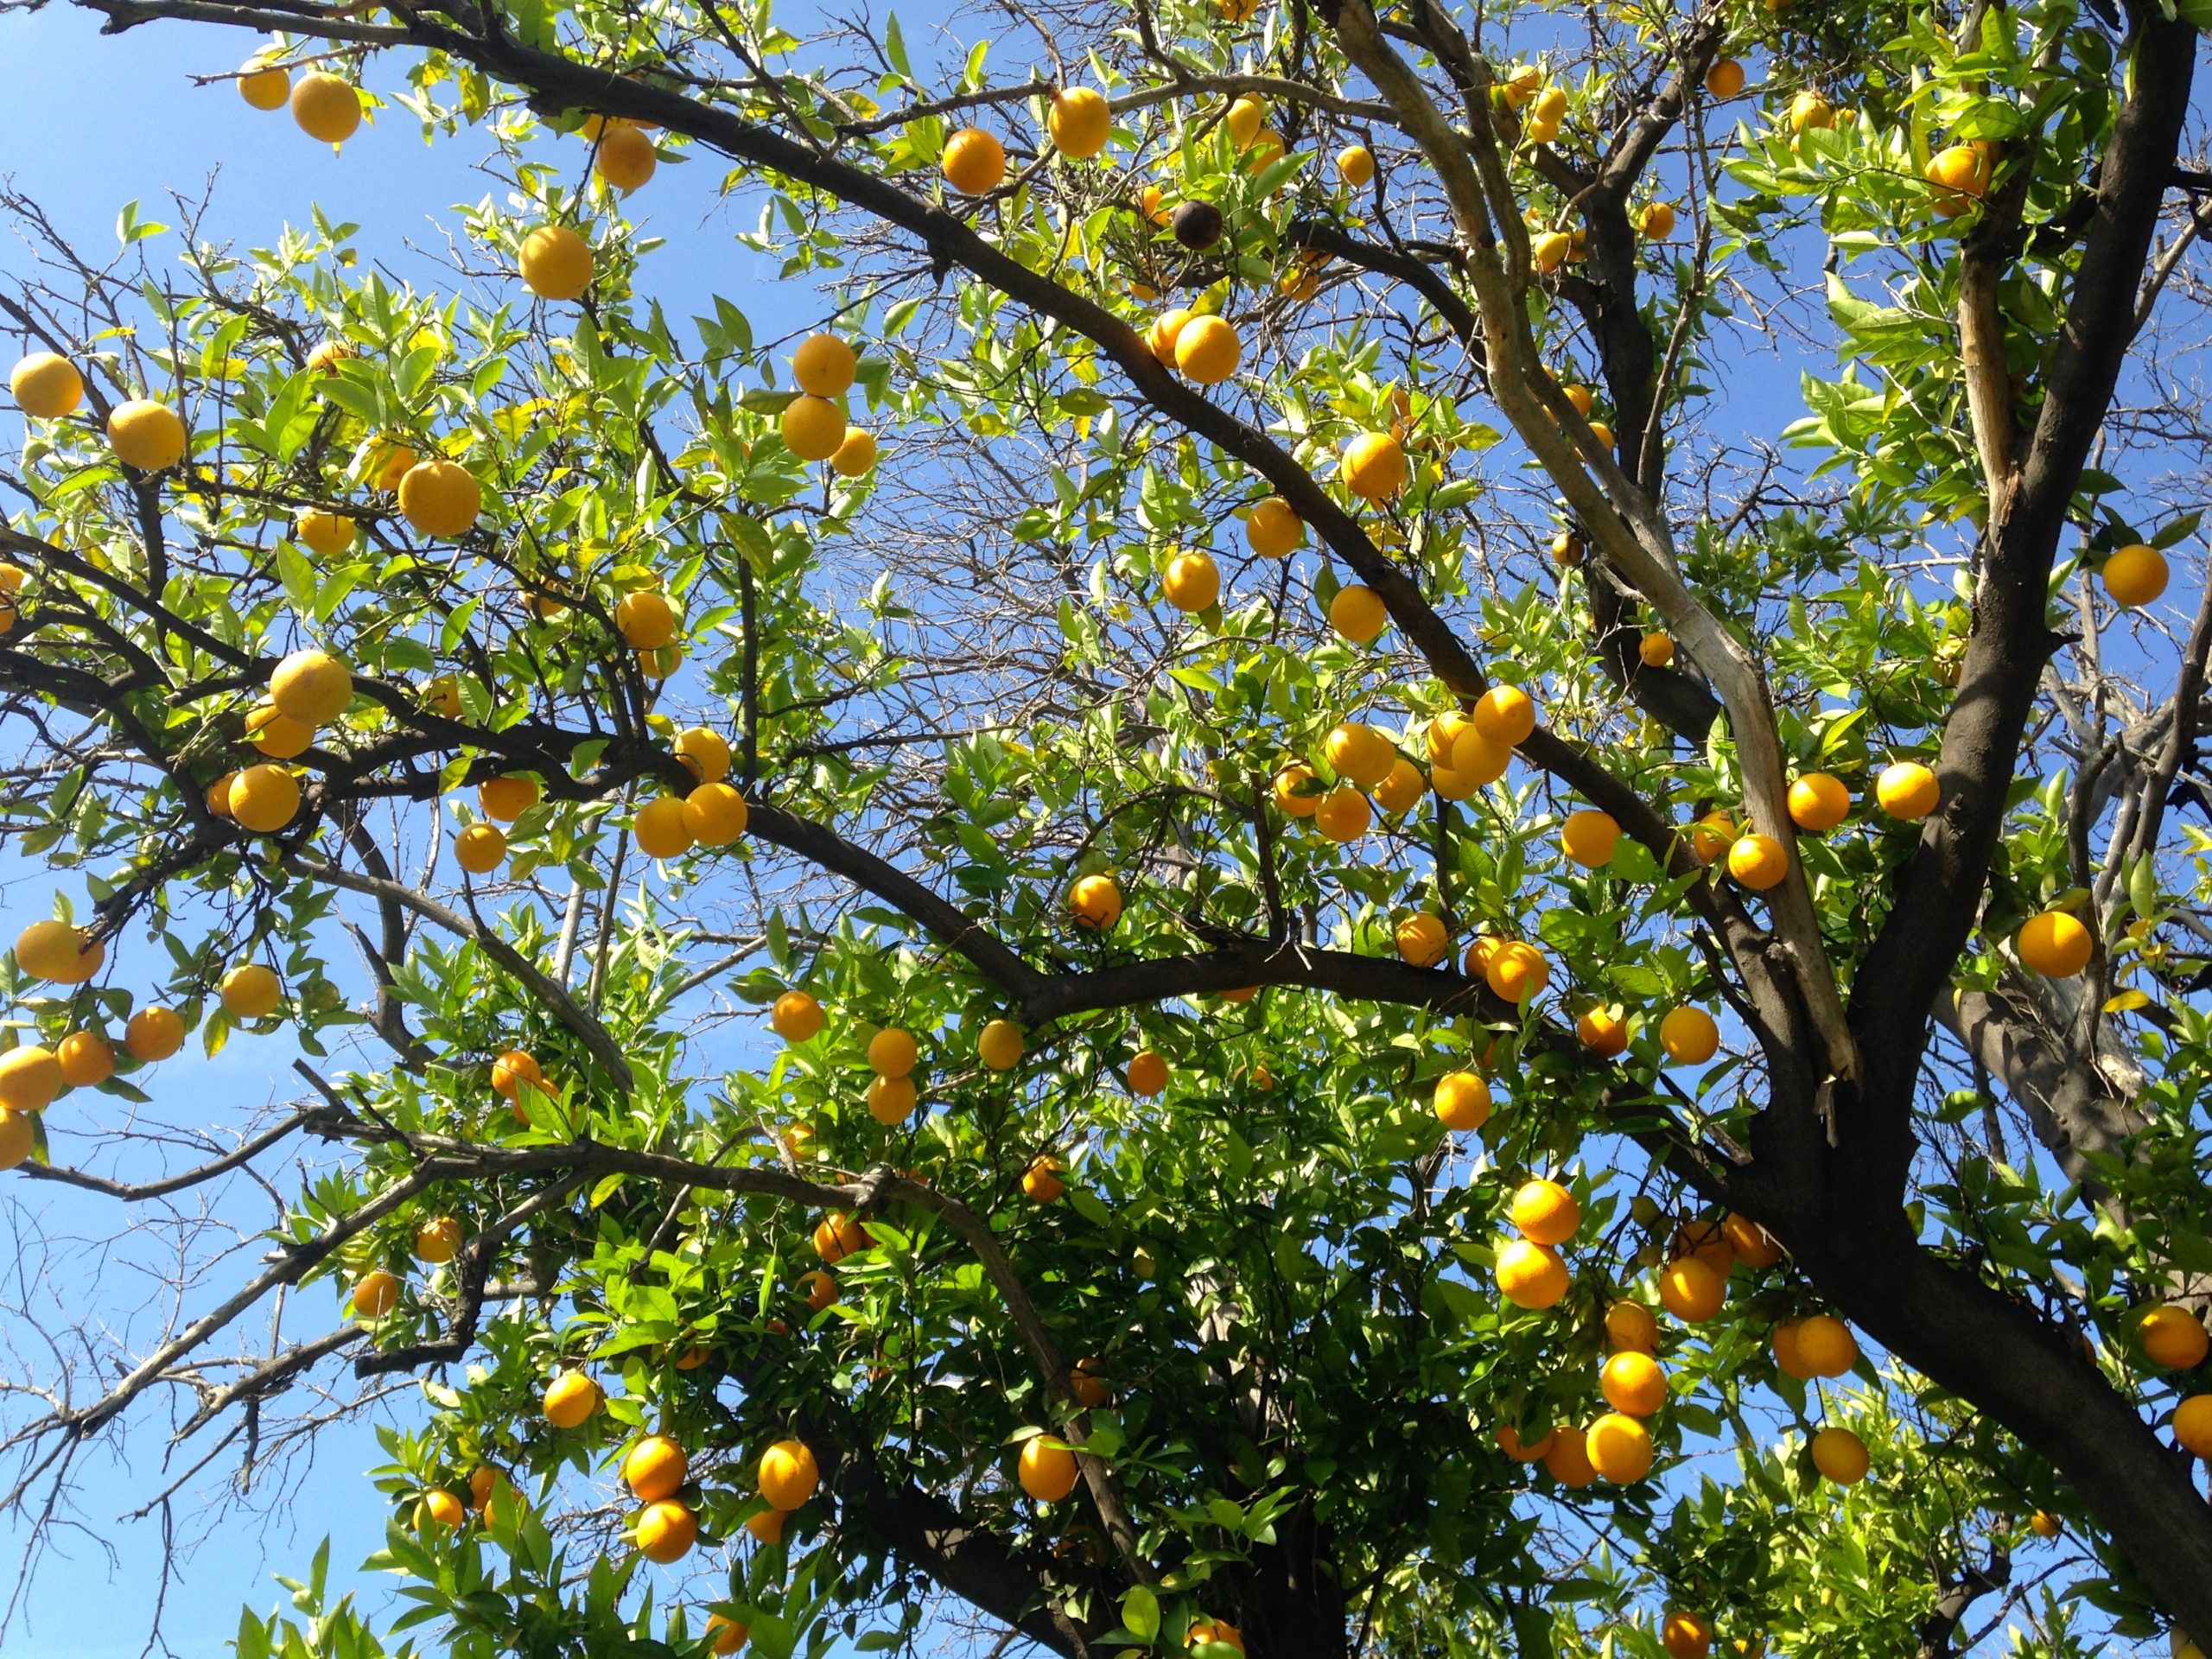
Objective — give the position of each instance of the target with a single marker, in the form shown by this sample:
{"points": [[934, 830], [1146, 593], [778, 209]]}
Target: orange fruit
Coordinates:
{"points": [[86, 1059], [856, 457], [1631, 1328], [2134, 576], [31, 1077], [1191, 583], [646, 619], [515, 1071], [59, 952], [1589, 837], [975, 161], [1401, 792], [715, 814], [1360, 755], [1343, 815], [1087, 1382], [1096, 902], [1691, 1290], [2192, 1427], [1602, 1032], [507, 798], [2174, 1338], [18, 1138], [1505, 715], [891, 1100], [1273, 530], [1685, 1636], [1147, 1073], [1690, 1036], [837, 1235], [276, 734], [729, 1636], [570, 1398], [892, 1052], [250, 991], [154, 1033], [1757, 862], [375, 1294], [2055, 944], [439, 1510], [437, 1240], [1517, 971], [788, 1474], [554, 263], [1824, 1345], [46, 387], [1207, 350], [659, 829], [1421, 940], [666, 1532], [440, 498], [1047, 1471], [820, 1289], [1530, 1276], [1545, 1212], [1725, 78], [1656, 650], [1358, 614], [325, 107], [1355, 165], [1079, 122], [146, 435], [1510, 1443], [1818, 802], [1840, 1456], [1753, 1245], [1620, 1447], [655, 1468], [1632, 1382], [265, 799], [1462, 1100], [624, 157], [1656, 221], [1567, 1461], [1041, 1181], [479, 848], [999, 1046], [1907, 790], [813, 429], [1374, 467]]}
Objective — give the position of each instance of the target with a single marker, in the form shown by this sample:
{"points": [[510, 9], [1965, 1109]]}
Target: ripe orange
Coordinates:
{"points": [[1510, 1443], [2193, 1426], [1754, 1246], [1691, 1290], [813, 429], [1808, 110], [2134, 576], [1961, 175], [1374, 467], [57, 951], [788, 1474], [146, 435], [1529, 1274], [1343, 815], [265, 799], [437, 1240], [1825, 1347], [439, 1510], [1273, 530], [275, 733], [824, 364], [1840, 1456], [1087, 1382], [1725, 78], [1047, 1471], [1818, 802], [1421, 940], [1246, 116], [820, 1289], [856, 457], [646, 619], [1207, 350], [837, 1235], [1041, 1181], [440, 498], [1620, 1447], [1656, 650], [1907, 790], [1630, 1328], [1567, 551], [1360, 753], [2174, 1338], [2055, 944], [515, 1071], [1757, 862], [999, 1046], [46, 387], [1358, 614], [1712, 835], [2044, 1524], [325, 107], [31, 1077], [1602, 1032], [311, 687], [154, 1033], [1479, 761], [1505, 715], [1517, 971], [1402, 791], [1690, 1036], [892, 1052], [1079, 121], [1632, 1382], [1096, 902], [975, 161], [891, 1100], [479, 848], [1147, 1073], [659, 830], [554, 263], [1355, 165], [729, 1636], [1567, 1461], [1191, 583], [1589, 837], [375, 1294], [655, 1468], [624, 157], [666, 1532], [1656, 221], [766, 1526], [1166, 328], [1685, 1636], [1545, 1212], [18, 1138], [715, 814], [86, 1059], [1462, 1100], [250, 991]]}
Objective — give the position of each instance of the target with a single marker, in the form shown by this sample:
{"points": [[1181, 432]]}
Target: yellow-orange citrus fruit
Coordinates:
{"points": [[508, 797], [837, 1235], [1080, 122], [999, 1046], [1824, 1345], [824, 364], [1631, 1328], [2055, 944], [1422, 940], [1087, 1382], [1619, 1446], [1818, 802], [1273, 530], [439, 1510], [1192, 582], [1401, 792], [86, 1059], [570, 1398], [479, 848], [1656, 650], [1297, 793], [1568, 1460], [2134, 576], [1374, 467], [1712, 835], [1602, 1032], [327, 533], [715, 814], [1589, 837], [1685, 1636], [856, 457], [1246, 116], [788, 1474], [1545, 1212], [892, 1052], [440, 498], [146, 435], [705, 751], [1208, 350], [1355, 165], [1462, 1100], [1725, 78], [646, 619], [1690, 1036], [1147, 1074], [1096, 902], [250, 991], [1359, 752], [2192, 1426], [18, 1138], [554, 263], [655, 1468], [891, 1100], [666, 1532], [1358, 614], [57, 952], [1961, 175], [1047, 1471], [1809, 110], [437, 1240], [154, 1033], [1757, 862], [796, 1017], [265, 799], [1656, 221], [325, 107], [1343, 815], [31, 1077], [1505, 715], [2174, 1338], [1907, 790], [659, 830], [1041, 1181], [624, 157], [311, 687], [1691, 1290], [813, 429], [1518, 971], [375, 1294], [975, 161], [515, 1071], [1510, 1443], [46, 386], [1530, 1274], [1840, 1456], [1753, 1246]]}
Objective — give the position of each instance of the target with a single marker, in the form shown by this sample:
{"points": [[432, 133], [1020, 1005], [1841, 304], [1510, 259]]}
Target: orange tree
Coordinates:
{"points": [[1383, 924]]}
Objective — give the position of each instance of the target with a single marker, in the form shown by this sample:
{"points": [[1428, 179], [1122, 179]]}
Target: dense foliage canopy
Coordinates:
{"points": [[1264, 908]]}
